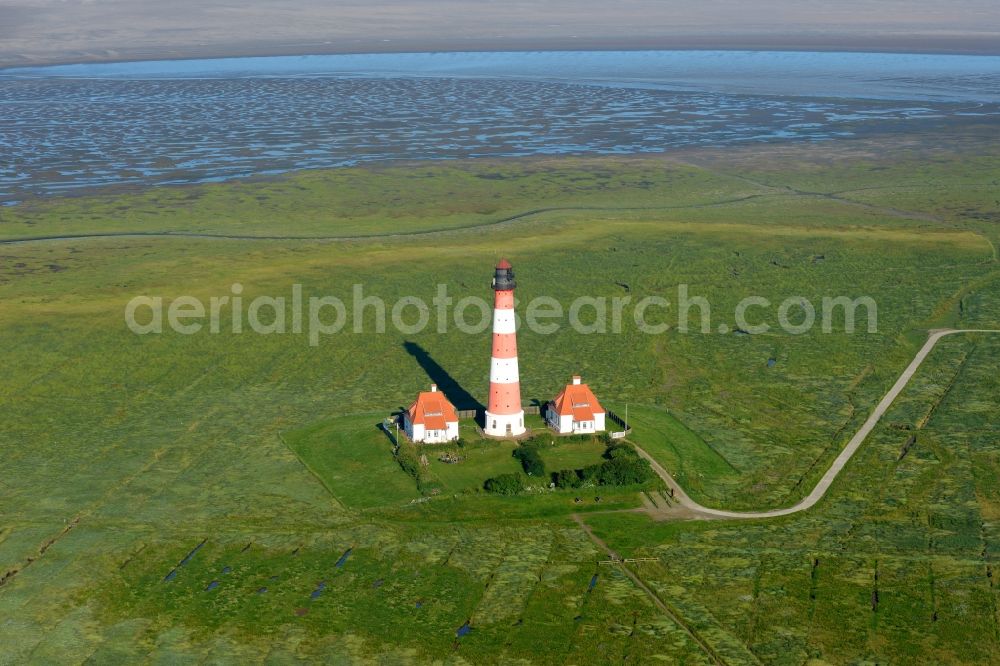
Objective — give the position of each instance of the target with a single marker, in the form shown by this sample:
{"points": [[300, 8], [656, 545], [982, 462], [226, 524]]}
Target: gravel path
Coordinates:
{"points": [[690, 508]]}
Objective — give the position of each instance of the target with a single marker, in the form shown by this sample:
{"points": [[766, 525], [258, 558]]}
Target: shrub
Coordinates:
{"points": [[530, 460], [408, 461], [622, 467], [624, 471], [620, 450], [567, 478], [504, 484]]}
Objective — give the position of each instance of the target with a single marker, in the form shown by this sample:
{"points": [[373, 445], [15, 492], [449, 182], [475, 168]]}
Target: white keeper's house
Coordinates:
{"points": [[431, 419], [575, 410]]}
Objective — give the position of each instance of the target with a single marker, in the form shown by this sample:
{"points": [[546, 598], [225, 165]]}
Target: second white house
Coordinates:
{"points": [[575, 410]]}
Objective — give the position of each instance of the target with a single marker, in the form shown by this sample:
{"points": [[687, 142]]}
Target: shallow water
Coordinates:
{"points": [[187, 558], [69, 128]]}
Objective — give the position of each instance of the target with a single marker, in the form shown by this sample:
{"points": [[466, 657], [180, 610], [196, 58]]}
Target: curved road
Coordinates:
{"points": [[377, 236], [698, 511], [380, 236]]}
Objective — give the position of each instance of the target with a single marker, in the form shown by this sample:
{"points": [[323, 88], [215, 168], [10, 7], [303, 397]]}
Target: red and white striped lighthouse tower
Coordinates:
{"points": [[504, 416]]}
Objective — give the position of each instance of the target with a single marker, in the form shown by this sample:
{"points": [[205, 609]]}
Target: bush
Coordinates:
{"points": [[620, 450], [408, 461], [624, 471], [567, 478], [504, 484], [623, 467], [530, 460]]}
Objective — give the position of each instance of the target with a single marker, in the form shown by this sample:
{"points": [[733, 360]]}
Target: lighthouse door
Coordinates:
{"points": [[509, 430]]}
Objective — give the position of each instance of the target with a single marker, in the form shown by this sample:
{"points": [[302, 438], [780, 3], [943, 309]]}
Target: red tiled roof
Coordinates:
{"points": [[432, 410], [578, 401]]}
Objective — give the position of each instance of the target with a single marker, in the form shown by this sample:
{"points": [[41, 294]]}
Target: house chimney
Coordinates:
{"points": [[576, 379], [434, 388]]}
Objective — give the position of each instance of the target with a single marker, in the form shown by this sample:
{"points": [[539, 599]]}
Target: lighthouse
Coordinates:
{"points": [[504, 416]]}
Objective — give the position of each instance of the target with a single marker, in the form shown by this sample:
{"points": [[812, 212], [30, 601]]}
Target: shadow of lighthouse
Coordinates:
{"points": [[447, 384]]}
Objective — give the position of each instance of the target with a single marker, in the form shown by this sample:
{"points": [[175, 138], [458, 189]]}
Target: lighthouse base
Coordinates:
{"points": [[504, 425]]}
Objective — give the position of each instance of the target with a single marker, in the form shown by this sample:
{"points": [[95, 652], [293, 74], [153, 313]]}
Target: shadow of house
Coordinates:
{"points": [[387, 430], [458, 396]]}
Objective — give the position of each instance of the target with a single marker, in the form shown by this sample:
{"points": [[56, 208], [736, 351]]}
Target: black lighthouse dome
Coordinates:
{"points": [[504, 278]]}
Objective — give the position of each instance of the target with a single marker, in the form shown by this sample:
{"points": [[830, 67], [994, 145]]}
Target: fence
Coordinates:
{"points": [[475, 413], [387, 427], [620, 422], [628, 560]]}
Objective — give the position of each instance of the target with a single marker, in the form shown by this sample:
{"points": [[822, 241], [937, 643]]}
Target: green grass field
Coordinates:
{"points": [[353, 459], [480, 463], [571, 454], [122, 453]]}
